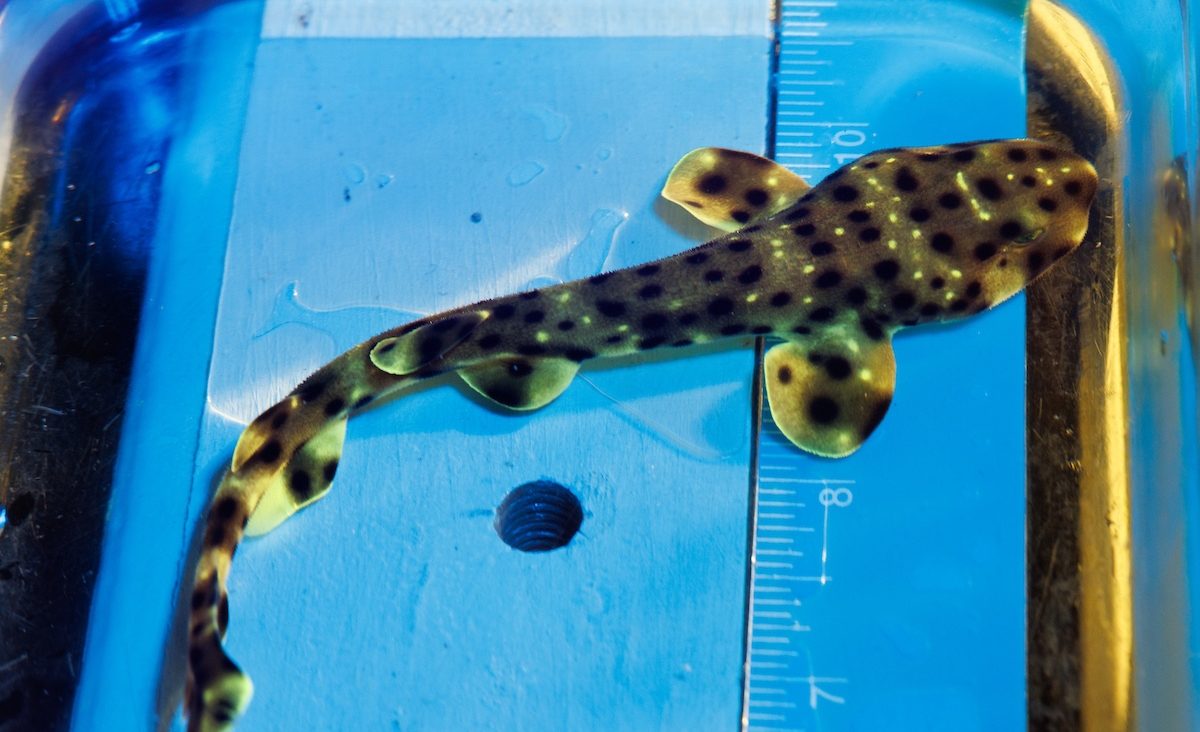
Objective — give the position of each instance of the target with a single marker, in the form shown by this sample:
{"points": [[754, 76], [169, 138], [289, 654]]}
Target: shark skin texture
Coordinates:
{"points": [[895, 239]]}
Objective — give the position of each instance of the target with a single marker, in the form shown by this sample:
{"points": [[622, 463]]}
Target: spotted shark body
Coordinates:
{"points": [[896, 239]]}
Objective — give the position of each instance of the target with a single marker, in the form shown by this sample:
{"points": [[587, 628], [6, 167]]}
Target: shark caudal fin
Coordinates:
{"points": [[217, 691], [728, 189], [828, 396]]}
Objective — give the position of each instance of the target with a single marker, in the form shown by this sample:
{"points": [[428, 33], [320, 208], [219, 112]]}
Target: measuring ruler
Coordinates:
{"points": [[805, 641]]}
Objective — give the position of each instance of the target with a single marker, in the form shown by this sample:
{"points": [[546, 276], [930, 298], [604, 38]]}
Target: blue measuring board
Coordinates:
{"points": [[888, 588]]}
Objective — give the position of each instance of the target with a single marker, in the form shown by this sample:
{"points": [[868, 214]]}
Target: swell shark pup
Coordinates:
{"points": [[897, 238]]}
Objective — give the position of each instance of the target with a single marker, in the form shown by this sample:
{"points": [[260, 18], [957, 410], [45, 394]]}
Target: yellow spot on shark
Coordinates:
{"points": [[916, 233], [892, 244], [918, 274], [587, 320], [564, 297], [961, 179], [893, 217], [753, 297], [865, 374], [809, 269], [777, 242], [840, 231], [542, 336], [807, 300], [623, 328], [956, 274]]}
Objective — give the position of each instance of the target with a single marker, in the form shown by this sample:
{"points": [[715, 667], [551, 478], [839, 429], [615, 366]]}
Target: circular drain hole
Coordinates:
{"points": [[538, 516]]}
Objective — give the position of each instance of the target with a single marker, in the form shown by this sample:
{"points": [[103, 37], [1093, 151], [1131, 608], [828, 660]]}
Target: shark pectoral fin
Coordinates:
{"points": [[728, 189], [406, 353], [521, 383], [304, 479], [828, 397]]}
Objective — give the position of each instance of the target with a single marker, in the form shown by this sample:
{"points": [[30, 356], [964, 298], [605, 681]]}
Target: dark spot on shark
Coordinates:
{"points": [[784, 374], [504, 311], [329, 471], [823, 410], [829, 278], [858, 216], [856, 296], [312, 389], [950, 201], [797, 213], [1017, 155], [802, 330], [714, 275], [958, 306], [610, 308], [531, 349], [937, 283], [1073, 188], [886, 269], [653, 342], [696, 258], [779, 299], [929, 309], [732, 329], [226, 508], [534, 316], [906, 181], [334, 406], [755, 197], [804, 229], [837, 367], [648, 270], [985, 251], [682, 342], [989, 188], [1010, 229], [489, 341], [1047, 204], [974, 289], [688, 319], [712, 184], [872, 328], [964, 156], [1047, 154], [269, 452], [300, 485], [750, 275], [566, 325], [821, 248], [762, 329], [1028, 181], [649, 292], [740, 245], [942, 242], [919, 214], [720, 307], [845, 194], [822, 314], [579, 354], [869, 234]]}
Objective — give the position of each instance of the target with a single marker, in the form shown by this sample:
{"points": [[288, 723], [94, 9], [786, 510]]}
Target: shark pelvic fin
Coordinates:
{"points": [[305, 479], [828, 396], [521, 383], [728, 189], [406, 353]]}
